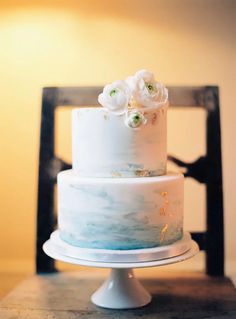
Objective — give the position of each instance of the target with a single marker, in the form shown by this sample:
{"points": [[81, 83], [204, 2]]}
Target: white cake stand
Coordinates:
{"points": [[121, 290]]}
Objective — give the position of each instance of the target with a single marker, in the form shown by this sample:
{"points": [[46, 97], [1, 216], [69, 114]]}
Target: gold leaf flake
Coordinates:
{"points": [[164, 194], [163, 209], [142, 173], [116, 174], [163, 232], [154, 118]]}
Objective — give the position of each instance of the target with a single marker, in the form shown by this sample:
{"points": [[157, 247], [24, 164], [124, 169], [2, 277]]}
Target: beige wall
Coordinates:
{"points": [[48, 43]]}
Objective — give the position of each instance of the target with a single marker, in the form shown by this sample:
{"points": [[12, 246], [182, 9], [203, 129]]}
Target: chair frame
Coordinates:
{"points": [[206, 169]]}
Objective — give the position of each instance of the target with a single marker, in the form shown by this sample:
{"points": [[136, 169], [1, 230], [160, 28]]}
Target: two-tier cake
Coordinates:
{"points": [[118, 194]]}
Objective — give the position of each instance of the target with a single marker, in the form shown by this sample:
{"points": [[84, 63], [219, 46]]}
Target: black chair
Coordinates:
{"points": [[206, 169]]}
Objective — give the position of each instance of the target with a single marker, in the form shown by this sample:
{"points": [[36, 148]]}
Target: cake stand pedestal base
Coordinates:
{"points": [[121, 290]]}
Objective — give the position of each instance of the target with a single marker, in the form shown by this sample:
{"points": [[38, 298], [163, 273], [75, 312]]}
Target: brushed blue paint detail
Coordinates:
{"points": [[95, 217], [120, 240], [138, 202]]}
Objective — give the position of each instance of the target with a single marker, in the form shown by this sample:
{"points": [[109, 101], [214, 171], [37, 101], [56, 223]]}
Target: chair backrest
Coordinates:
{"points": [[206, 169]]}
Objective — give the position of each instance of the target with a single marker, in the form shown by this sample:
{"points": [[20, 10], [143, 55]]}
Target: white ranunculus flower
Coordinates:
{"points": [[135, 118], [146, 91], [115, 97]]}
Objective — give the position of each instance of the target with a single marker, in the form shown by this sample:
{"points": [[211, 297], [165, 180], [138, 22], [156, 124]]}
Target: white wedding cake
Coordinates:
{"points": [[118, 195]]}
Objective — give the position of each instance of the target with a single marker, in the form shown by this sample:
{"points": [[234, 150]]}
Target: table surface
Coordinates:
{"points": [[66, 295]]}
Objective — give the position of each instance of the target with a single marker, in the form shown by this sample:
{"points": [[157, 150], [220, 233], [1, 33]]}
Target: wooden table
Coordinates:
{"points": [[66, 295]]}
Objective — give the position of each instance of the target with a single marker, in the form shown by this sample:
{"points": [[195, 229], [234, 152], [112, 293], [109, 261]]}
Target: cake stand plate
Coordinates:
{"points": [[135, 255], [121, 290]]}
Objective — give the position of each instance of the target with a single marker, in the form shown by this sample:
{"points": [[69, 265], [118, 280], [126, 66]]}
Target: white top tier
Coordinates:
{"points": [[103, 146]]}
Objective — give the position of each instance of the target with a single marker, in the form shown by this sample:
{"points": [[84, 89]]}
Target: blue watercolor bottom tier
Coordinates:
{"points": [[123, 242]]}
